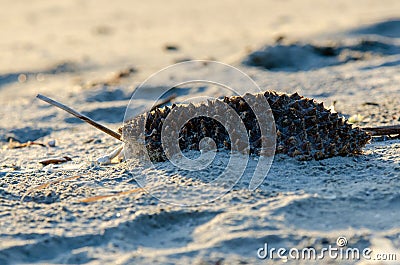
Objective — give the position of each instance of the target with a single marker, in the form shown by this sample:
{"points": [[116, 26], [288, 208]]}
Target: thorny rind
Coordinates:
{"points": [[305, 129]]}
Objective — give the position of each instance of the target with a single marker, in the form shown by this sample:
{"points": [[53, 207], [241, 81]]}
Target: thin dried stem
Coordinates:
{"points": [[165, 101], [80, 116], [383, 130], [101, 197]]}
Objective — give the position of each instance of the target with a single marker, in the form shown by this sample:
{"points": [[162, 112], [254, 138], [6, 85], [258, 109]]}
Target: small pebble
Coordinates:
{"points": [[51, 143]]}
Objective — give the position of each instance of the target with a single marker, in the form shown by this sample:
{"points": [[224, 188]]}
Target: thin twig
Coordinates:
{"points": [[80, 116], [165, 101], [101, 197], [383, 130]]}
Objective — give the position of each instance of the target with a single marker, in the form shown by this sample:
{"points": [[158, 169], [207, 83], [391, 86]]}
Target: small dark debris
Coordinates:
{"points": [[171, 47], [126, 72], [103, 30], [181, 60], [93, 141], [370, 104], [280, 38], [58, 160]]}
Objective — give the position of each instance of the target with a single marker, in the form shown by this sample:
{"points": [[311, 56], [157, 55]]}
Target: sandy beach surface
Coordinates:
{"points": [[91, 55]]}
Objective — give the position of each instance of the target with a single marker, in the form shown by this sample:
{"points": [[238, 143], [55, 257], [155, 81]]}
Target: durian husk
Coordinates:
{"points": [[304, 129]]}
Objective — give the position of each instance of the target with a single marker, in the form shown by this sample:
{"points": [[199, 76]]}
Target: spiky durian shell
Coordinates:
{"points": [[304, 129]]}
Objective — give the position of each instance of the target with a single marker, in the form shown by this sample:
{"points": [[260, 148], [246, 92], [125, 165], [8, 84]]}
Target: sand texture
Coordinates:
{"points": [[91, 55]]}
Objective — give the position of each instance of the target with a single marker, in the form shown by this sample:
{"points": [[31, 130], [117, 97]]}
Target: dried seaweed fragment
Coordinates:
{"points": [[305, 129], [14, 145], [57, 160]]}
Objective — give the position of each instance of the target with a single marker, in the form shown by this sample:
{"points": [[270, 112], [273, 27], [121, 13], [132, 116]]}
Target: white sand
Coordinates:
{"points": [[63, 46]]}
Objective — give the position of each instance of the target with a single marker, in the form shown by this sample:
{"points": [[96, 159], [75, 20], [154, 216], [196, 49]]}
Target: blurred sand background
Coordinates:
{"points": [[80, 53]]}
